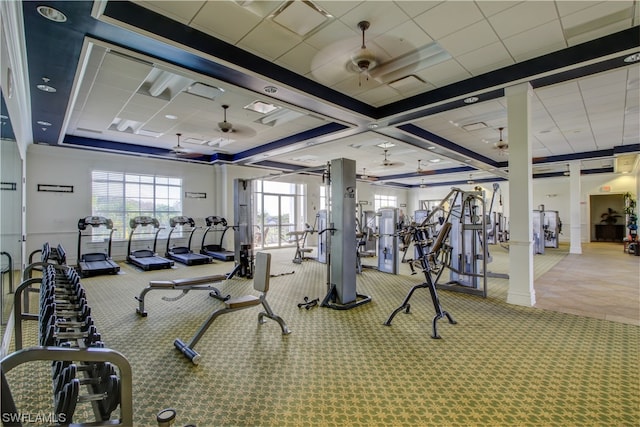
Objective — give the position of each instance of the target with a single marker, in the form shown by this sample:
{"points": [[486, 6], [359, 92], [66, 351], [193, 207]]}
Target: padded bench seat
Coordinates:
{"points": [[203, 283], [187, 282]]}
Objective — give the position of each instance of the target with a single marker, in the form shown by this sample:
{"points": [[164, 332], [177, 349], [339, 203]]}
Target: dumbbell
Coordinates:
{"points": [[105, 391], [78, 311], [97, 373], [64, 325], [52, 337], [58, 365]]}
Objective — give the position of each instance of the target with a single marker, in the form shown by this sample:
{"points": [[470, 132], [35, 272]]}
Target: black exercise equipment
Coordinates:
{"points": [[95, 263], [146, 259], [308, 304], [184, 285], [430, 263], [260, 284], [216, 251], [184, 254]]}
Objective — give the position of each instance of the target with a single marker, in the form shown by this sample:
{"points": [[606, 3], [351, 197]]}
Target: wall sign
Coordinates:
{"points": [[10, 186], [192, 195], [51, 188]]}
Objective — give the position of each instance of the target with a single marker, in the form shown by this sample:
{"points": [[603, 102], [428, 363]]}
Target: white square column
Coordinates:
{"points": [[575, 215], [521, 290]]}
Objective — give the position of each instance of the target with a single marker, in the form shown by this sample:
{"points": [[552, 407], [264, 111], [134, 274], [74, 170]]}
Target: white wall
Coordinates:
{"points": [[53, 217]]}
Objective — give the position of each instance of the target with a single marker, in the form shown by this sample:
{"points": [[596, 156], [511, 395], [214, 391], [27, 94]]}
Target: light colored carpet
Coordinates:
{"points": [[501, 365]]}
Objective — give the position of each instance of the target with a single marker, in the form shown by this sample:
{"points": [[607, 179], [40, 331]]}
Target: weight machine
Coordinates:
{"points": [[433, 257], [388, 261]]}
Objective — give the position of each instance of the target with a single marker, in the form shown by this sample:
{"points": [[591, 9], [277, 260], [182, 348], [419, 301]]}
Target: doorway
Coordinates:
{"points": [[607, 219]]}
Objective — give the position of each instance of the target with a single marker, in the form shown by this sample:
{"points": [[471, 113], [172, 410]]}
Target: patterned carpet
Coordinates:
{"points": [[501, 365]]}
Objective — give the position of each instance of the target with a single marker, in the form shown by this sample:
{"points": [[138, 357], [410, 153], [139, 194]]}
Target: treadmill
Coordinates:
{"points": [[216, 250], [96, 263], [146, 259], [184, 254]]}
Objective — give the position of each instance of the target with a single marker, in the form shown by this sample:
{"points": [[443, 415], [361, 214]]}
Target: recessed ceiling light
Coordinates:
{"points": [[431, 148], [632, 58], [46, 88], [373, 126], [435, 160], [51, 14], [471, 100], [270, 89], [170, 117], [43, 123]]}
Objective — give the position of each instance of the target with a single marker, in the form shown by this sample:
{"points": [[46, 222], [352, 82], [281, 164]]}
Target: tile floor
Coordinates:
{"points": [[603, 282]]}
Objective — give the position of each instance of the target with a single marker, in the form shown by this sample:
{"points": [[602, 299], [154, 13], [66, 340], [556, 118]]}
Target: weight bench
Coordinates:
{"points": [[260, 284], [185, 285]]}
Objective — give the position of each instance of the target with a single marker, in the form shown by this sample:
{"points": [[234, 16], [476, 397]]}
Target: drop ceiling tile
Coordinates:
{"points": [[469, 39], [490, 8], [486, 59], [445, 73], [380, 95], [569, 7], [601, 31], [382, 15], [298, 59], [181, 11], [437, 21], [225, 20], [337, 36], [596, 12], [270, 40], [405, 38], [337, 8], [510, 22], [415, 8], [536, 42]]}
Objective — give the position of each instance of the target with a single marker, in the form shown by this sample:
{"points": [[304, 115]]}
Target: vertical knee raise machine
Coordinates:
{"points": [[260, 284]]}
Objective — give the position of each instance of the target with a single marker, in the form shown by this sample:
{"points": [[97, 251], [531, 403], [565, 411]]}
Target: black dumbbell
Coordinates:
{"points": [[57, 366], [65, 401], [105, 390], [53, 337], [97, 374]]}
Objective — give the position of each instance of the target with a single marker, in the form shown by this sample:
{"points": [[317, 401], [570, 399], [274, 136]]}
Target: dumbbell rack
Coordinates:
{"points": [[69, 338]]}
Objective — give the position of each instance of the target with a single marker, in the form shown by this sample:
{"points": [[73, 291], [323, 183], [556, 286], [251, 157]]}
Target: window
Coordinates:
{"points": [[122, 196], [279, 209], [382, 201]]}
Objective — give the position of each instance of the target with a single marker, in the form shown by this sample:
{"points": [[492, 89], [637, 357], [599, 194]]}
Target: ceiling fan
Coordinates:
{"points": [[180, 151], [366, 177], [227, 128], [363, 61], [224, 125], [502, 146], [388, 163]]}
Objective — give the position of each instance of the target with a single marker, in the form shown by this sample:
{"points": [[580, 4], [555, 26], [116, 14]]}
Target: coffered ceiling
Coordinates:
{"points": [[418, 97]]}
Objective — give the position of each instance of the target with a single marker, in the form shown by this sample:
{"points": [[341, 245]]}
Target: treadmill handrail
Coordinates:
{"points": [[144, 220], [181, 220]]}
